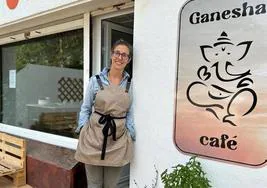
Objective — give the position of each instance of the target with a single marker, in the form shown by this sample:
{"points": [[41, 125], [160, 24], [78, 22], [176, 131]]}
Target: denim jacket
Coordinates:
{"points": [[89, 101]]}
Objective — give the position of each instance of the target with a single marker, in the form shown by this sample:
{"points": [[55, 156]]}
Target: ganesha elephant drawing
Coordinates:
{"points": [[225, 84]]}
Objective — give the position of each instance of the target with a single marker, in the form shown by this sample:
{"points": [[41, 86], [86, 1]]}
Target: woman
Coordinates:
{"points": [[105, 142]]}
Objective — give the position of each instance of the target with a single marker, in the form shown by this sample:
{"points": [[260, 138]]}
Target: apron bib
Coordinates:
{"points": [[104, 140]]}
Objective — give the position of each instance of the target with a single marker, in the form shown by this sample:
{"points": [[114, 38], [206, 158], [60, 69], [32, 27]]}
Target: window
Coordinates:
{"points": [[42, 83]]}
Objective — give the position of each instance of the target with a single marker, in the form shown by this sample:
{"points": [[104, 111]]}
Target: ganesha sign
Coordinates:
{"points": [[221, 104]]}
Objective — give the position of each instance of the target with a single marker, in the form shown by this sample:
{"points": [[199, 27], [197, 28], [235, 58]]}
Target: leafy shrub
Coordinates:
{"points": [[190, 175]]}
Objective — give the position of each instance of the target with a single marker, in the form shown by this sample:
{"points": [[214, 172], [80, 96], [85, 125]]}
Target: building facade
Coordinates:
{"points": [[50, 49]]}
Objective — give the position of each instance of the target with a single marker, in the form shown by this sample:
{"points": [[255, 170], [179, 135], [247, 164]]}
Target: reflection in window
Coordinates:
{"points": [[42, 83]]}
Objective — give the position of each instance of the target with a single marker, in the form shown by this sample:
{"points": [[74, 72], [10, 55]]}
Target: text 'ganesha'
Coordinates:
{"points": [[222, 84]]}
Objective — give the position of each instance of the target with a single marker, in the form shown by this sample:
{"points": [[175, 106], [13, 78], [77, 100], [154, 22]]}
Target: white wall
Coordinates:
{"points": [[28, 8], [155, 50]]}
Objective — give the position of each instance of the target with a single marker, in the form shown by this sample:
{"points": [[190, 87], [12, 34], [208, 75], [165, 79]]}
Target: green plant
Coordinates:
{"points": [[190, 175]]}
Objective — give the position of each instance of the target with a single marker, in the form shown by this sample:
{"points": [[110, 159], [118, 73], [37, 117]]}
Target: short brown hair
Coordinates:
{"points": [[125, 43]]}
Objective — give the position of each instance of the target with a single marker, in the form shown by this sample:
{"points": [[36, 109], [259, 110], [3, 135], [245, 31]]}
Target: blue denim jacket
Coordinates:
{"points": [[89, 101]]}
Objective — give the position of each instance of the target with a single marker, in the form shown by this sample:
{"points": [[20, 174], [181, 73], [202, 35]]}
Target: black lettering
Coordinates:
{"points": [[226, 14], [204, 18], [194, 18], [245, 8], [212, 16], [224, 137], [236, 13], [261, 9], [214, 142], [231, 144], [204, 138], [222, 142]]}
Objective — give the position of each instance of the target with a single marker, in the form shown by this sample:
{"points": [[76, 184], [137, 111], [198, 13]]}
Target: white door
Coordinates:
{"points": [[111, 33]]}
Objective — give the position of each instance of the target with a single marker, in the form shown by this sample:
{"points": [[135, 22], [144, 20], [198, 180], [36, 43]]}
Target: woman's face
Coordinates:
{"points": [[120, 57]]}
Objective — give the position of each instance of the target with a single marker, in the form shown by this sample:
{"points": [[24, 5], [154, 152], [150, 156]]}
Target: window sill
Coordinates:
{"points": [[61, 141]]}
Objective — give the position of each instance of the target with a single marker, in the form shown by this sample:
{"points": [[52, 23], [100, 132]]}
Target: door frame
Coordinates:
{"points": [[107, 32], [96, 39], [96, 54]]}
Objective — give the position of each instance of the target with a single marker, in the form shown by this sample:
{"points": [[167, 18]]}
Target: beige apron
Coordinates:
{"points": [[111, 104]]}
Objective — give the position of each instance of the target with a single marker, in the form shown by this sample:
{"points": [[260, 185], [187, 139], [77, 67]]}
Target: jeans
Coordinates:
{"points": [[102, 176]]}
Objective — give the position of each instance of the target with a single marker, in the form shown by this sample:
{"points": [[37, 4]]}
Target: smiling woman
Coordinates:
{"points": [[106, 121]]}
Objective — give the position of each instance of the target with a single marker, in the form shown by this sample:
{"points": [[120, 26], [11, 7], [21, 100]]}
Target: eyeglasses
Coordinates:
{"points": [[124, 56]]}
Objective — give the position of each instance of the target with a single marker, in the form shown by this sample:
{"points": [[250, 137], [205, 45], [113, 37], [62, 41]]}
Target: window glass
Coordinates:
{"points": [[42, 83]]}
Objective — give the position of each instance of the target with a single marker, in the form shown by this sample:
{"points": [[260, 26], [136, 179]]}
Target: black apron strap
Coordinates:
{"points": [[128, 84], [99, 82]]}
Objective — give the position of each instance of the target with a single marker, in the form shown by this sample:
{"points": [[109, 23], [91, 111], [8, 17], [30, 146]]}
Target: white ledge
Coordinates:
{"points": [[62, 141]]}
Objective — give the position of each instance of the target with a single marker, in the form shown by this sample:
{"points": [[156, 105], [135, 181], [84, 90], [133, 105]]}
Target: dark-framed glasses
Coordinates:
{"points": [[124, 56]]}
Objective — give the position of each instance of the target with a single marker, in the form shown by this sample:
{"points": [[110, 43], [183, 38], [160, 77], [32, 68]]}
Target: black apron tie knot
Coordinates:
{"points": [[109, 124]]}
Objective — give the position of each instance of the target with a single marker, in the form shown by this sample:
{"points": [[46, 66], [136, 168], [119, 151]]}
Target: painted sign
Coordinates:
{"points": [[12, 4], [221, 106], [13, 10]]}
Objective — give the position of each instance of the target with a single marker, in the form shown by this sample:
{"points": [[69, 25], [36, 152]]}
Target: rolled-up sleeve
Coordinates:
{"points": [[130, 117], [86, 108]]}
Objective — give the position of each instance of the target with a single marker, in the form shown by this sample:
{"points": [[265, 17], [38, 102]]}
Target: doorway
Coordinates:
{"points": [[113, 29]]}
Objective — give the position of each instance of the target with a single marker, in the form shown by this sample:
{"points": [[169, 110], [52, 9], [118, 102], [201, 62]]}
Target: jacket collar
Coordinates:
{"points": [[105, 71]]}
